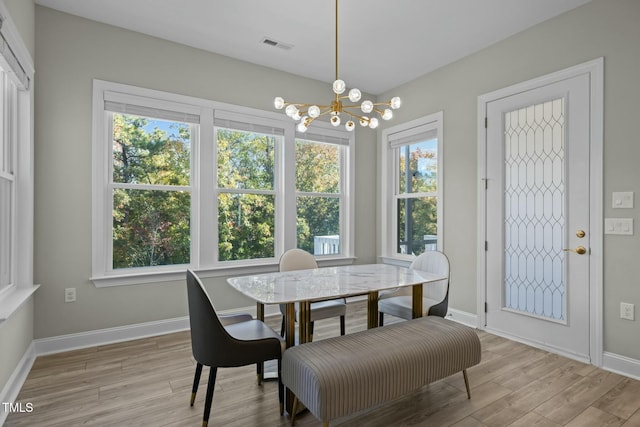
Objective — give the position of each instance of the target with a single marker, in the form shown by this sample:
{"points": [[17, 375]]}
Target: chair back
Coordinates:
{"points": [[208, 336], [438, 263], [297, 259]]}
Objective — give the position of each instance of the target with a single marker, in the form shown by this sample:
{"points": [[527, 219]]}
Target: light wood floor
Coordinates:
{"points": [[147, 383]]}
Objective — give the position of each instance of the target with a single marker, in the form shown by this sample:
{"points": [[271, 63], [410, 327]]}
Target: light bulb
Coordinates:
{"points": [[396, 102], [339, 86], [335, 120], [296, 116], [364, 121], [367, 106], [290, 110], [350, 125], [314, 111], [373, 123], [278, 103], [302, 127], [387, 115], [355, 95]]}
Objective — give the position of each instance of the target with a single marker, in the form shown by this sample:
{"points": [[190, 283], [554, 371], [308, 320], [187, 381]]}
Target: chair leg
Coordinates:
{"points": [[282, 328], [280, 387], [342, 325], [311, 331], [209, 399], [380, 318], [259, 372], [466, 383], [196, 381]]}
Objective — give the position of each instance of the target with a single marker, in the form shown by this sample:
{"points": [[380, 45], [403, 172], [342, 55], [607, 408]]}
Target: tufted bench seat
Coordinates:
{"points": [[343, 375]]}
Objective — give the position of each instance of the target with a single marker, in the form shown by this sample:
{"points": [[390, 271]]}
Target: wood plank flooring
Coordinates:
{"points": [[147, 382]]}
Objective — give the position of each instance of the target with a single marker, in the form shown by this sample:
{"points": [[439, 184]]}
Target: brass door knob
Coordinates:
{"points": [[580, 250], [580, 234]]}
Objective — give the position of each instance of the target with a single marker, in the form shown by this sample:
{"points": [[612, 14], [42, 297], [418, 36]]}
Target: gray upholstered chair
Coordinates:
{"points": [[242, 341], [298, 259], [435, 299]]}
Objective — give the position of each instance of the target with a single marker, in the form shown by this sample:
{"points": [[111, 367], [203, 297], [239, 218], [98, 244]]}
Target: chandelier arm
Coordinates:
{"points": [[306, 105], [357, 116]]}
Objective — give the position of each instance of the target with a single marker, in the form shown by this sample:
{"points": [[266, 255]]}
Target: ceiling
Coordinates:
{"points": [[382, 43]]}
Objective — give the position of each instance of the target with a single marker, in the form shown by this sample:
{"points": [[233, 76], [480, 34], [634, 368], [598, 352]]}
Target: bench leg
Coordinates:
{"points": [[466, 383], [294, 410]]}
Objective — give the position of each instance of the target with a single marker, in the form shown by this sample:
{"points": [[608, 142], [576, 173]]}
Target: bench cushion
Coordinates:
{"points": [[342, 375]]}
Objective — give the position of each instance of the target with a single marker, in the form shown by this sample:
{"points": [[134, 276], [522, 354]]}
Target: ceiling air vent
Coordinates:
{"points": [[271, 42]]}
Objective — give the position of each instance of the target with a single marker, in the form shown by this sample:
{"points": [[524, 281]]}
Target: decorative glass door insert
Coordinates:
{"points": [[534, 210]]}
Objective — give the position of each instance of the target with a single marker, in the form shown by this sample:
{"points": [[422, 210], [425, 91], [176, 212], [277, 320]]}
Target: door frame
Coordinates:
{"points": [[595, 70]]}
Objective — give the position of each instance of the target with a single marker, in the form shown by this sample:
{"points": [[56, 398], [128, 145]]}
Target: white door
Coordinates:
{"points": [[537, 216]]}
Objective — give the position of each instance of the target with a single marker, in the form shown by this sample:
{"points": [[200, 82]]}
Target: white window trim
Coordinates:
{"points": [[16, 294], [389, 181], [204, 232]]}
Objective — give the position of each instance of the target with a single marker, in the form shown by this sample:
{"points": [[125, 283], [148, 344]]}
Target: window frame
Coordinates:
{"points": [[204, 190], [17, 63], [345, 146], [407, 133]]}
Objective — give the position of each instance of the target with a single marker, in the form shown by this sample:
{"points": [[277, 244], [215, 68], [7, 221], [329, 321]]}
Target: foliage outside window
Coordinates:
{"points": [[318, 197], [181, 181], [415, 187], [417, 200], [246, 195], [151, 192]]}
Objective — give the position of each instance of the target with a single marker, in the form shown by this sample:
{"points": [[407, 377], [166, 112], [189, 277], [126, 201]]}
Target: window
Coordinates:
{"points": [[8, 152], [320, 193], [16, 169], [414, 189], [185, 182], [246, 166], [151, 191]]}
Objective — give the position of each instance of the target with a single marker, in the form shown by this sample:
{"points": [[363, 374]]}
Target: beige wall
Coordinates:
{"points": [[16, 333], [603, 28], [23, 16], [70, 52]]}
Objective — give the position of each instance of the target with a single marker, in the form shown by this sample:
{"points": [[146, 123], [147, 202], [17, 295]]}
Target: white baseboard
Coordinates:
{"points": [[80, 340], [621, 365], [468, 319], [10, 391]]}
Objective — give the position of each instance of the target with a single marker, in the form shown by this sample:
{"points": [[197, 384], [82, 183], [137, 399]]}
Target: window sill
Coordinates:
{"points": [[13, 299], [403, 262], [178, 274]]}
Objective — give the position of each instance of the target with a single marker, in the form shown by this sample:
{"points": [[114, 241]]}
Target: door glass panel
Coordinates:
{"points": [[534, 195]]}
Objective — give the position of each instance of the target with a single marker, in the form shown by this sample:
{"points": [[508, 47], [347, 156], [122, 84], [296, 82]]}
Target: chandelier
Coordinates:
{"points": [[305, 114]]}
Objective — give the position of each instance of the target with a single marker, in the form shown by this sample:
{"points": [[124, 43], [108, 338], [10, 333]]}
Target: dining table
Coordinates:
{"points": [[306, 286]]}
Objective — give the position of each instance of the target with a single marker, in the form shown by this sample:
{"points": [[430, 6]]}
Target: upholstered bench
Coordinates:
{"points": [[340, 376]]}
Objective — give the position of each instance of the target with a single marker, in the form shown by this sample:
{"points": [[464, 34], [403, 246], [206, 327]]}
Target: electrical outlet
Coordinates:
{"points": [[626, 311], [69, 294]]}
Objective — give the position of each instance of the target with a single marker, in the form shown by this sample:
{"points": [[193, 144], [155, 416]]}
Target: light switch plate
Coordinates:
{"points": [[622, 200], [622, 226]]}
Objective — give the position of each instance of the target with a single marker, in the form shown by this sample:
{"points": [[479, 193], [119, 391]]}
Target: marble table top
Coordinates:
{"points": [[328, 282]]}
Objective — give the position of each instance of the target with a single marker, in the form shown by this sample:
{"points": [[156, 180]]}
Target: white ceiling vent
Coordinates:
{"points": [[275, 43]]}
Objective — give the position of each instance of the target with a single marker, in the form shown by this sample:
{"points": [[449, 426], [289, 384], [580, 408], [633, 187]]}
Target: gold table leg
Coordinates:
{"points": [[304, 322], [417, 301], [372, 310], [290, 338]]}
